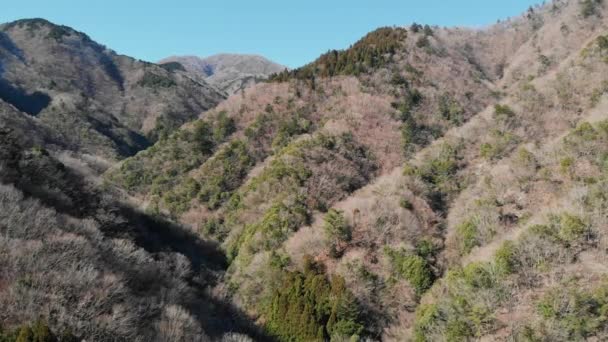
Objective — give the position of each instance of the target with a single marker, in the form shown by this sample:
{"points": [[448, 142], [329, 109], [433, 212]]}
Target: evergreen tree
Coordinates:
{"points": [[336, 227], [309, 307]]}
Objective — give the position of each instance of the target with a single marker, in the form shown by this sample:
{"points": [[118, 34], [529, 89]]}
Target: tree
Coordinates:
{"points": [[224, 127], [309, 307], [203, 133], [589, 7], [336, 226], [602, 42], [25, 334], [428, 31], [423, 42]]}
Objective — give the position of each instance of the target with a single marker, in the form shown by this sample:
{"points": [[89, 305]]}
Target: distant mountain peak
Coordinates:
{"points": [[227, 71], [55, 31], [99, 101]]}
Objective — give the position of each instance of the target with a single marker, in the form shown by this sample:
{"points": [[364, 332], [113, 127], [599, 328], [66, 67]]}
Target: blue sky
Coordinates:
{"points": [[289, 32]]}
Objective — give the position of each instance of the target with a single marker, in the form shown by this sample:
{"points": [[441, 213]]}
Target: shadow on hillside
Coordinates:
{"points": [[38, 175], [127, 145], [7, 44], [31, 104], [157, 235]]}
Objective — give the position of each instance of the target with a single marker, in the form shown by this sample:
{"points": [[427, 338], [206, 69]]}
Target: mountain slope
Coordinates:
{"points": [[263, 165], [425, 184], [99, 102], [228, 72], [89, 266], [496, 204]]}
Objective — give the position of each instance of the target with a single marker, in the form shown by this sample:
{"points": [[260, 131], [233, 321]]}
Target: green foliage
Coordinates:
{"points": [[428, 31], [411, 133], [415, 27], [172, 66], [450, 109], [272, 131], [478, 275], [25, 334], [566, 164], [39, 151], [566, 229], [223, 127], [503, 112], [308, 307], [398, 80], [426, 316], [602, 43], [371, 52], [597, 197], [544, 61], [575, 312], [426, 249], [288, 175], [423, 42], [279, 260], [288, 129], [501, 141], [439, 173], [278, 222], [212, 227], [220, 175], [58, 32], [526, 159], [572, 228], [165, 124], [505, 258], [585, 132], [406, 204], [464, 303], [413, 268], [586, 142], [590, 7], [223, 173], [458, 315], [203, 137], [467, 236], [153, 80], [488, 151], [335, 226], [163, 170], [178, 199], [600, 91], [39, 331], [548, 232]]}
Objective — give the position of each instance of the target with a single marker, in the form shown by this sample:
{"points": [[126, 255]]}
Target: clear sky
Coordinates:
{"points": [[289, 32]]}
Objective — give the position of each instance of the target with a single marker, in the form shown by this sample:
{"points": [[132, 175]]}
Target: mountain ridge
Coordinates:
{"points": [[425, 184], [229, 72], [88, 93]]}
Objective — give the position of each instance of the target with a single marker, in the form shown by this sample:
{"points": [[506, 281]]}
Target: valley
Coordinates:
{"points": [[425, 184]]}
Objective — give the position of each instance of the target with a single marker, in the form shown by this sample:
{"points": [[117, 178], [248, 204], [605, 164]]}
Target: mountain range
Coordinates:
{"points": [[424, 184], [228, 72]]}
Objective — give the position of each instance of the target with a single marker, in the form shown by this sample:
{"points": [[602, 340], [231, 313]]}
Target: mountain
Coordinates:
{"points": [[95, 101], [425, 184], [228, 72], [78, 260]]}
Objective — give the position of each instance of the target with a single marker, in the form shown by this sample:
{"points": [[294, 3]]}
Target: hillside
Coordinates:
{"points": [[434, 177], [95, 101], [74, 259], [228, 72], [76, 262], [424, 184]]}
